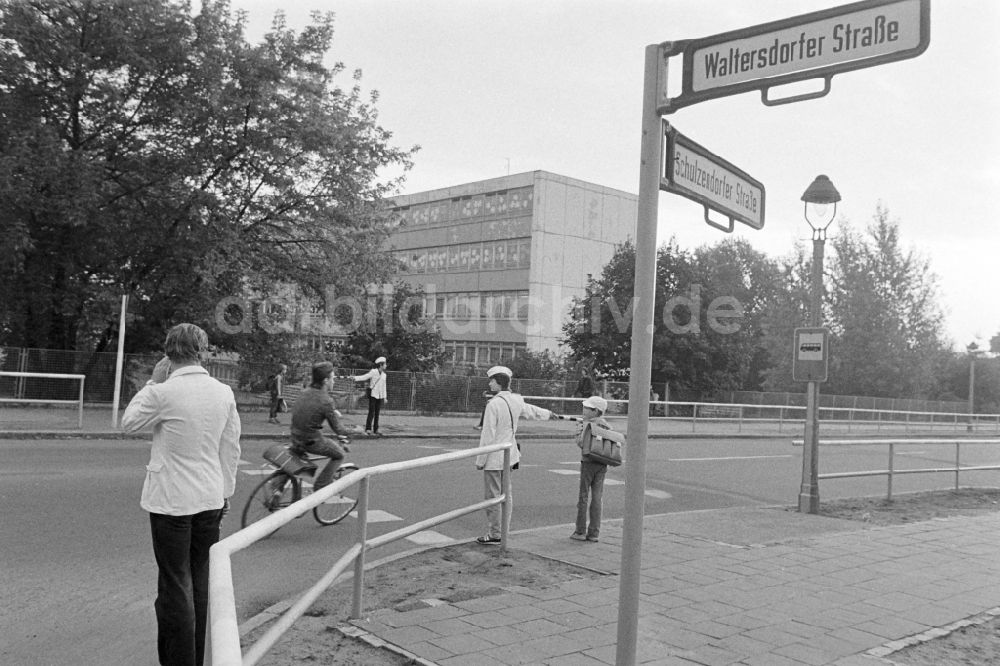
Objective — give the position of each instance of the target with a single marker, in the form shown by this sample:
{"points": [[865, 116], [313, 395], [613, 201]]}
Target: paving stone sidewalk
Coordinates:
{"points": [[762, 586]]}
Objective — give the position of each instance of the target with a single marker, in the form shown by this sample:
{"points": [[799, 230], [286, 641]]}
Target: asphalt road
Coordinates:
{"points": [[78, 573]]}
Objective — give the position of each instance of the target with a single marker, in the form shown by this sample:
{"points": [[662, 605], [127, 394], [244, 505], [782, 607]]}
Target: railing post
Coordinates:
{"points": [[357, 605], [505, 507], [694, 416], [79, 420], [468, 393], [892, 448], [958, 448], [739, 427]]}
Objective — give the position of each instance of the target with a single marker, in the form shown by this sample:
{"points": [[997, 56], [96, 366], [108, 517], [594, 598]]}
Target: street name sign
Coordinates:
{"points": [[694, 172], [811, 356], [816, 45]]}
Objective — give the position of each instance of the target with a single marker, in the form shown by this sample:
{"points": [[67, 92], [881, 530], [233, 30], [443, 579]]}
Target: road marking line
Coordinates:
{"points": [[428, 538], [566, 472], [727, 458], [257, 472]]}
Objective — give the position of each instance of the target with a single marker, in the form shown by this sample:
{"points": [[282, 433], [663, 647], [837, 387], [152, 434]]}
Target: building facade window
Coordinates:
{"points": [[488, 255], [498, 305], [491, 205], [483, 353]]}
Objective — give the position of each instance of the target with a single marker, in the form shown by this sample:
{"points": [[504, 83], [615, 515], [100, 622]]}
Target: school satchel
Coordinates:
{"points": [[282, 457], [604, 446]]}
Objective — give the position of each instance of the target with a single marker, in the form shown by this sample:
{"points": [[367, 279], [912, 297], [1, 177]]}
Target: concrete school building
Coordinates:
{"points": [[500, 260]]}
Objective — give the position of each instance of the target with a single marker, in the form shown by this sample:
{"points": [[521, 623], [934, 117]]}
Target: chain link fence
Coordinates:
{"points": [[426, 393]]}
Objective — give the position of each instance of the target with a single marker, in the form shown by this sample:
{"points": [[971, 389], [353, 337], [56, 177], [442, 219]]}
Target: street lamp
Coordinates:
{"points": [[820, 199]]}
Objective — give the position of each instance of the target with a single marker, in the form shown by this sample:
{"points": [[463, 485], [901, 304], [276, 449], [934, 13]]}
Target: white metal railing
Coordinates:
{"points": [[891, 471], [848, 418], [48, 401], [224, 624]]}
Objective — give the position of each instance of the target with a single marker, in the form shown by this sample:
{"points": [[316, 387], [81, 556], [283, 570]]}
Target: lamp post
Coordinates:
{"points": [[819, 213]]}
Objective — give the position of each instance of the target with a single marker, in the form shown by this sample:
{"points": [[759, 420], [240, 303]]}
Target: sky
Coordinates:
{"points": [[491, 88]]}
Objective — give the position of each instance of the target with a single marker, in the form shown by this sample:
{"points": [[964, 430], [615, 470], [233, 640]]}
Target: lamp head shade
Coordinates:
{"points": [[821, 191]]}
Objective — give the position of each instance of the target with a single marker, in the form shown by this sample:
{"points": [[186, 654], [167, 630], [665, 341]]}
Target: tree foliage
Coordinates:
{"points": [[148, 152], [393, 325], [788, 311], [710, 309], [537, 365], [883, 314]]}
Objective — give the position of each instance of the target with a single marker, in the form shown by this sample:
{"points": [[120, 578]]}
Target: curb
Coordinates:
{"points": [[118, 435]]}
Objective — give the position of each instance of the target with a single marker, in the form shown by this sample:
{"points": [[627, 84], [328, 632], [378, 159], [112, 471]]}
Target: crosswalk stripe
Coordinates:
{"points": [[378, 516], [649, 492], [429, 537]]}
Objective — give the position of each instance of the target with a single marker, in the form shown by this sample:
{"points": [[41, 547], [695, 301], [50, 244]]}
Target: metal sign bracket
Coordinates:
{"points": [[795, 98]]}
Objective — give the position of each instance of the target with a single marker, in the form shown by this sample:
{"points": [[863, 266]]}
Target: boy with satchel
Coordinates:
{"points": [[598, 447]]}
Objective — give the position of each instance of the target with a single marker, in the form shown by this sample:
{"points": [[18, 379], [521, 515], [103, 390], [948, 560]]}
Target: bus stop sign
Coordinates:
{"points": [[811, 356]]}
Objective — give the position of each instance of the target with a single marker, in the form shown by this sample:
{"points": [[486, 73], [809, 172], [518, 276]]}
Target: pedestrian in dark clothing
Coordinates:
{"points": [[377, 394], [276, 387]]}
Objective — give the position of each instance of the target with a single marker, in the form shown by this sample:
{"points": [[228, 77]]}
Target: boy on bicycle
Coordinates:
{"points": [[312, 409]]}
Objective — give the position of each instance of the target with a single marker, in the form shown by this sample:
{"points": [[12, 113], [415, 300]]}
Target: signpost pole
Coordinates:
{"points": [[641, 356], [809, 493]]}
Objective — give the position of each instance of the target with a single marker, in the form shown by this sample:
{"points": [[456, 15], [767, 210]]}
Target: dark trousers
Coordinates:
{"points": [[275, 403], [374, 407], [329, 448], [592, 487], [180, 545]]}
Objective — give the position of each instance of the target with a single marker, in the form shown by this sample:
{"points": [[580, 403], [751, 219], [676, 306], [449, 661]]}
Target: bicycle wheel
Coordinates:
{"points": [[273, 493], [335, 509]]}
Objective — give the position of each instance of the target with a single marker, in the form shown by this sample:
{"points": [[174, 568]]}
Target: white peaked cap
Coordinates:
{"points": [[596, 402]]}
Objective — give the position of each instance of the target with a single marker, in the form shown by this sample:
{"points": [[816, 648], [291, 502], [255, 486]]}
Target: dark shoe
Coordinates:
{"points": [[378, 434], [577, 536], [368, 433], [477, 427], [592, 538], [488, 540], [274, 421]]}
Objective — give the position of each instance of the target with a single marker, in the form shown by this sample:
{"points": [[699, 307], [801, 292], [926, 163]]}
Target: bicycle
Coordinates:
{"points": [[286, 485]]}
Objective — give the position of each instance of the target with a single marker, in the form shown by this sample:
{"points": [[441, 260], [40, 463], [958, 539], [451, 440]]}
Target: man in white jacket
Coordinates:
{"points": [[499, 427], [189, 479]]}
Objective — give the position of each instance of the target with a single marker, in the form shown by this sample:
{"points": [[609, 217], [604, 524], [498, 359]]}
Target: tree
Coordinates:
{"points": [[536, 365], [710, 308], [883, 314], [393, 325], [789, 310], [148, 152], [740, 285]]}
